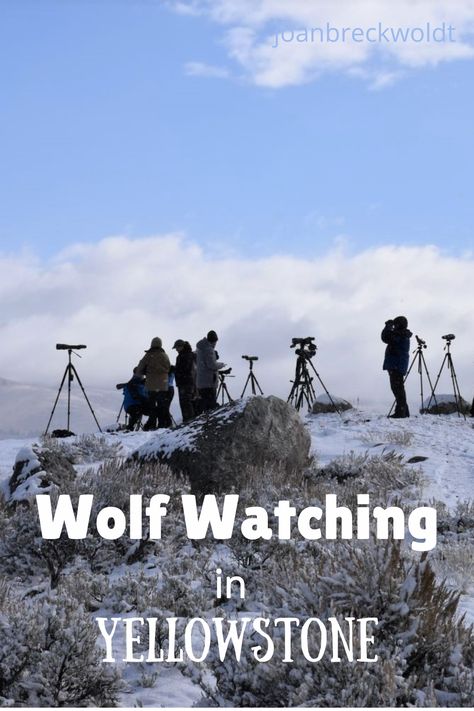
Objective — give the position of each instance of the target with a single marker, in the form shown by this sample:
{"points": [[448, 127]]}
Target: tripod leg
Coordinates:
{"points": [[326, 390], [430, 383], [420, 371], [437, 381], [69, 381], [245, 386], [307, 389], [300, 399], [255, 383], [57, 398], [292, 394], [85, 395], [221, 392], [225, 389], [457, 393]]}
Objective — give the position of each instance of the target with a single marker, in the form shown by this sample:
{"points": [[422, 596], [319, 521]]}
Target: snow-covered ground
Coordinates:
{"points": [[445, 444], [26, 408]]}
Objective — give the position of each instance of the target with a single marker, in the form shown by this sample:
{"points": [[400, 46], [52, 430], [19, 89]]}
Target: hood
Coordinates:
{"points": [[204, 344]]}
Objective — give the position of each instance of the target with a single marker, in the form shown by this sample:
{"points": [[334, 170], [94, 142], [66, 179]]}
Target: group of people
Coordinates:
{"points": [[151, 389]]}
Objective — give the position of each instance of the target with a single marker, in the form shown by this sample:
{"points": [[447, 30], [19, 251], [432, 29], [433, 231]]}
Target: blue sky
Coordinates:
{"points": [[104, 132]]}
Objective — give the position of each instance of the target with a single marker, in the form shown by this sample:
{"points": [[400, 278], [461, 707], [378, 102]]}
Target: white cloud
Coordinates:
{"points": [[249, 28], [117, 294], [201, 69]]}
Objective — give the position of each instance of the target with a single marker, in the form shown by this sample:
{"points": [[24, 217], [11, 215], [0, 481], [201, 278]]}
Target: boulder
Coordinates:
{"points": [[214, 449], [444, 405], [323, 404], [36, 470]]}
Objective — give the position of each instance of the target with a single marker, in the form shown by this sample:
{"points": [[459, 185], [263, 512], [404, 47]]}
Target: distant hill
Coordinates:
{"points": [[25, 408]]}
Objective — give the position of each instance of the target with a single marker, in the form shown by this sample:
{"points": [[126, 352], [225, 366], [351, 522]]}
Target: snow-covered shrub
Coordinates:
{"points": [[401, 437], [425, 653], [376, 475], [48, 656], [376, 439], [26, 555], [85, 449], [111, 485], [90, 590], [38, 470], [454, 562], [457, 522]]}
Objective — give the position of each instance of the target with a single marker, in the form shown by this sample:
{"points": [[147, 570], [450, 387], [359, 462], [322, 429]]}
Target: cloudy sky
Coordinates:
{"points": [[170, 167]]}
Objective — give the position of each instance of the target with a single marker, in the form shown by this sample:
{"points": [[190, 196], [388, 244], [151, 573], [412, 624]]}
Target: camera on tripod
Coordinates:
{"points": [[250, 357], [70, 373], [66, 347], [308, 348], [449, 337], [225, 372], [308, 341], [421, 342]]}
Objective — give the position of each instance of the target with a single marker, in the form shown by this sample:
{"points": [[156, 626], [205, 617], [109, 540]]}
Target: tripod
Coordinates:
{"points": [[419, 359], [251, 379], [69, 372], [138, 425], [303, 389], [448, 359], [222, 390]]}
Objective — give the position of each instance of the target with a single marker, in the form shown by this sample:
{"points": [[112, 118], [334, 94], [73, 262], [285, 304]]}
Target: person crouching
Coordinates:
{"points": [[135, 400]]}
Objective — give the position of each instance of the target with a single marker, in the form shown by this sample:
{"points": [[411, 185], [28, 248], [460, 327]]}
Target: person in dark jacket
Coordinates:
{"points": [[185, 375], [397, 355], [135, 400], [207, 366]]}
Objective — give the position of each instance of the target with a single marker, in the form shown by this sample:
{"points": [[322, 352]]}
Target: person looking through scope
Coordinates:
{"points": [[135, 399], [397, 355]]}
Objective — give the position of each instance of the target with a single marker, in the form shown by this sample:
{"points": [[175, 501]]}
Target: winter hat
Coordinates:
{"points": [[156, 342], [212, 337], [179, 343], [400, 322]]}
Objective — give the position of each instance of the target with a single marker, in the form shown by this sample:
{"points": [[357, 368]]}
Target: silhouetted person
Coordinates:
{"points": [[397, 355], [185, 374], [207, 366], [155, 364]]}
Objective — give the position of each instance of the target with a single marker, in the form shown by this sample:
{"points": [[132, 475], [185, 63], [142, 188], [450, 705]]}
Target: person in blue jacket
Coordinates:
{"points": [[397, 355], [135, 400]]}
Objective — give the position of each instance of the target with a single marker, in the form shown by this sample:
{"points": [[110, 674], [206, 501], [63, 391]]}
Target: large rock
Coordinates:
{"points": [[444, 405], [36, 470], [323, 405], [213, 450]]}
